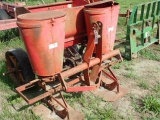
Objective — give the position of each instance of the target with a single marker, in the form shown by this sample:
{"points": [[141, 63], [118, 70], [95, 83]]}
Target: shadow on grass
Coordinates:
{"points": [[120, 45], [74, 95], [16, 102], [7, 80]]}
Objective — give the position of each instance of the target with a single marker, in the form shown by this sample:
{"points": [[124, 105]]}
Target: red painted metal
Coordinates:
{"points": [[79, 2], [10, 9], [43, 34], [84, 65], [75, 24], [73, 35], [46, 34], [8, 24], [52, 6], [107, 13]]}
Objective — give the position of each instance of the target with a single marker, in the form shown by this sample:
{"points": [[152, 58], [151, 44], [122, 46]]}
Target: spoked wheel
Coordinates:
{"points": [[18, 66]]}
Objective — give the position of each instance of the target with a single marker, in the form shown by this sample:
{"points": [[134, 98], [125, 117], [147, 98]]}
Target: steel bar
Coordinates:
{"points": [[84, 65], [8, 24], [11, 71]]}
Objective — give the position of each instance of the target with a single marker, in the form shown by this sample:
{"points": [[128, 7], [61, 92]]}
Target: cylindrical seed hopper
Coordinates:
{"points": [[43, 34], [107, 14]]}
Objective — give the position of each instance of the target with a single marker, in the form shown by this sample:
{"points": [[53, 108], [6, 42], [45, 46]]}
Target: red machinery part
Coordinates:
{"points": [[107, 13], [13, 10], [43, 34]]}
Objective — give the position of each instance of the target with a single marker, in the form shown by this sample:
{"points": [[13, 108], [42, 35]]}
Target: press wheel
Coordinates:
{"points": [[4, 15], [18, 66]]}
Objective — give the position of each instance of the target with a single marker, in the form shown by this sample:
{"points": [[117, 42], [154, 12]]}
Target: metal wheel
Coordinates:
{"points": [[18, 66], [4, 15]]}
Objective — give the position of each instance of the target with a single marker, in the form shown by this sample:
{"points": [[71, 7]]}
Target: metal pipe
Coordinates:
{"points": [[85, 65]]}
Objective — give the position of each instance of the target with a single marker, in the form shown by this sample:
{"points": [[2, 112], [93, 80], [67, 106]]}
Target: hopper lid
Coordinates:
{"points": [[42, 15]]}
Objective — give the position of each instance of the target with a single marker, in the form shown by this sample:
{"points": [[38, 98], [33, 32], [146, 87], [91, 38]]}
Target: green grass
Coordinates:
{"points": [[8, 34], [151, 103], [131, 75], [143, 84], [5, 81], [148, 106], [156, 87], [9, 114], [126, 64], [124, 5], [93, 107], [10, 98], [149, 54]]}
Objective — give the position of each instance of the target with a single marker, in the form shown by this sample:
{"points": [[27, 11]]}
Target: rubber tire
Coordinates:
{"points": [[4, 15], [23, 64]]}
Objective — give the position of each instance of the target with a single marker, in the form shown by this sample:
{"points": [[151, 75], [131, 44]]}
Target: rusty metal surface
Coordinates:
{"points": [[41, 16], [72, 113], [107, 13], [75, 23], [52, 6], [7, 24], [84, 65], [75, 28], [44, 37], [110, 96], [94, 33], [43, 30], [10, 10], [45, 113]]}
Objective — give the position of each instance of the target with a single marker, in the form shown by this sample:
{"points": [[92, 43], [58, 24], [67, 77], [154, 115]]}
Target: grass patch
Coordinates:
{"points": [[148, 106], [157, 87], [93, 107], [143, 84], [8, 114], [129, 68], [14, 99], [151, 103], [149, 54], [7, 35], [126, 64], [6, 82], [131, 74]]}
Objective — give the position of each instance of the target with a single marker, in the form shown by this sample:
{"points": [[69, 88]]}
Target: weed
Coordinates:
{"points": [[151, 103], [143, 84]]}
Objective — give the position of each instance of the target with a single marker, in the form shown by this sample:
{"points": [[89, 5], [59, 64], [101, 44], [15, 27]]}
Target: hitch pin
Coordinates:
{"points": [[11, 71]]}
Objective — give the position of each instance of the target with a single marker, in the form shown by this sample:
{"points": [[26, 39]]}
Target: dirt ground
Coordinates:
{"points": [[144, 69]]}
